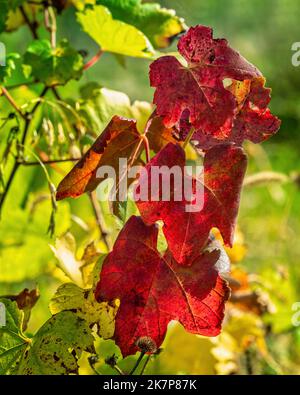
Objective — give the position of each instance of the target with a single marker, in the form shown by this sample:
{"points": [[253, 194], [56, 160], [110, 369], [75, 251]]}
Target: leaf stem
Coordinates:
{"points": [[188, 138], [94, 60], [147, 147]]}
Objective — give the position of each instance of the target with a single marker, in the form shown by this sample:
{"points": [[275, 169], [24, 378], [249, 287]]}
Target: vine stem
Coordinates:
{"points": [[94, 60], [98, 215]]}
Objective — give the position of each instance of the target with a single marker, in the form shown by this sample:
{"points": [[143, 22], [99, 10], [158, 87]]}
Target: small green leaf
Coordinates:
{"points": [[12, 341], [53, 66], [113, 35], [57, 346], [158, 24]]}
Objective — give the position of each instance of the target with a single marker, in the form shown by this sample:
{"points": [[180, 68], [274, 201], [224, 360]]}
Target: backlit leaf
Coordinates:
{"points": [[187, 232], [113, 35], [197, 95], [159, 24], [139, 276]]}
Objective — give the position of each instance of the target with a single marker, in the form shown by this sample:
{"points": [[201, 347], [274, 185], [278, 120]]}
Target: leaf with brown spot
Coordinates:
{"points": [[57, 346]]}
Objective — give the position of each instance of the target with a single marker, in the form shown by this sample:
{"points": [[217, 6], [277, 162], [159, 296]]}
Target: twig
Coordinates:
{"points": [[11, 100], [98, 216], [94, 60], [32, 26]]}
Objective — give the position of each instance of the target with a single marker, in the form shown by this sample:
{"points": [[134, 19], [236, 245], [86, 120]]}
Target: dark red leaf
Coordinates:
{"points": [[199, 87], [154, 290], [187, 232], [253, 120]]}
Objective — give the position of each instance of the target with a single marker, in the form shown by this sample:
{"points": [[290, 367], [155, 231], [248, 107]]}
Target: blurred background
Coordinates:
{"points": [[260, 333]]}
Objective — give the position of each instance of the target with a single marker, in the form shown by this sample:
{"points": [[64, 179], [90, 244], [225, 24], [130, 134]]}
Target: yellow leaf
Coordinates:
{"points": [[71, 297], [113, 35]]}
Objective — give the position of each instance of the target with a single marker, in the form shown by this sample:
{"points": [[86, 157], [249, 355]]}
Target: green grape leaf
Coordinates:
{"points": [[159, 24], [13, 343], [82, 301], [113, 35], [99, 105], [53, 66], [10, 65], [57, 346]]}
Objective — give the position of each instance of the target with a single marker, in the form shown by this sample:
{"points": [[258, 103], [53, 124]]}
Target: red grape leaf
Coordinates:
{"points": [[154, 290], [159, 135], [120, 139], [199, 87], [187, 232], [253, 120]]}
